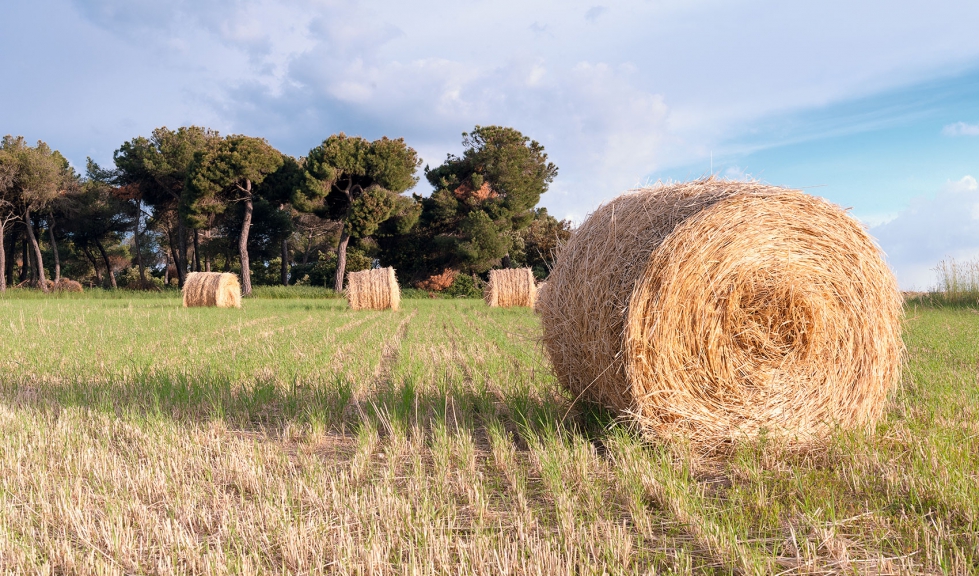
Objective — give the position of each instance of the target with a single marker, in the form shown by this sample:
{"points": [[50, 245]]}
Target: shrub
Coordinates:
{"points": [[465, 286]]}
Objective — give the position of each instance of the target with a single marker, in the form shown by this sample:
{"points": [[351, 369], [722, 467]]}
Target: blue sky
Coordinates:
{"points": [[873, 109]]}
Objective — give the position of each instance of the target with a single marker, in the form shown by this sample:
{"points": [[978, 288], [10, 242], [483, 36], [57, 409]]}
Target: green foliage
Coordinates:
{"points": [[356, 182], [266, 272], [129, 279], [465, 286], [539, 241], [95, 215], [368, 210], [404, 216], [483, 244], [343, 168], [482, 201], [34, 176], [323, 272], [226, 173], [160, 165]]}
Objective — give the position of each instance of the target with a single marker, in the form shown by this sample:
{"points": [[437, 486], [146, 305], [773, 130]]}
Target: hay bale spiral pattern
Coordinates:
{"points": [[511, 287], [714, 310], [216, 289], [375, 289]]}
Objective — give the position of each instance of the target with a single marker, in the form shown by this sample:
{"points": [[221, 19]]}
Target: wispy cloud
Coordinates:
{"points": [[594, 13], [586, 80], [961, 129], [931, 229]]}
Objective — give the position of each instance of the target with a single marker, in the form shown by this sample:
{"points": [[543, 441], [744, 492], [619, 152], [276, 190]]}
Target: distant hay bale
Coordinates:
{"points": [[375, 289], [714, 310], [511, 287], [212, 289], [66, 285]]}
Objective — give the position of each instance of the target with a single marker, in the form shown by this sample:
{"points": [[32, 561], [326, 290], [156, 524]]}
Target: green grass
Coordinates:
{"points": [[297, 436]]}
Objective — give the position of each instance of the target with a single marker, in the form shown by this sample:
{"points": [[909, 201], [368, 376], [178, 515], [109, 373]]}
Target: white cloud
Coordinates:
{"points": [[595, 12], [932, 229], [652, 86], [961, 129]]}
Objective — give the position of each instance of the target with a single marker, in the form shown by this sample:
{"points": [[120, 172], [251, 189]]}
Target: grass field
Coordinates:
{"points": [[296, 436]]}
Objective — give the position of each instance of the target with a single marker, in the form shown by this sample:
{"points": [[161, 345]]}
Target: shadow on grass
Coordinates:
{"points": [[268, 403]]}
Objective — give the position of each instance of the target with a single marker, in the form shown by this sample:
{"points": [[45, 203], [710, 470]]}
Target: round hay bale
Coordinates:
{"points": [[375, 289], [66, 285], [212, 289], [714, 310], [511, 287]]}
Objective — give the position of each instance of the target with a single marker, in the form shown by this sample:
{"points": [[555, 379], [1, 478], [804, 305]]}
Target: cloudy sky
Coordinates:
{"points": [[874, 109]]}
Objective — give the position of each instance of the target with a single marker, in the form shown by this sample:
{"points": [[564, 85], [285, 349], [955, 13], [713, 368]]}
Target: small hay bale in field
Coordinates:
{"points": [[212, 289], [375, 289], [66, 285], [714, 310], [511, 287]]}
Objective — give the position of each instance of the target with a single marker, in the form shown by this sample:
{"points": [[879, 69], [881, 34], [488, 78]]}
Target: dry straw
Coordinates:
{"points": [[66, 285], [714, 310], [375, 289], [212, 289], [511, 287]]}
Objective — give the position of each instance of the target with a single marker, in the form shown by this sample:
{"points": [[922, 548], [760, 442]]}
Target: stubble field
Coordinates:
{"points": [[298, 437]]}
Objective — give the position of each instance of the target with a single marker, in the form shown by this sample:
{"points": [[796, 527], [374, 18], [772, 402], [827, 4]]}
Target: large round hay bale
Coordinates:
{"points": [[511, 287], [714, 310], [375, 289], [212, 289]]}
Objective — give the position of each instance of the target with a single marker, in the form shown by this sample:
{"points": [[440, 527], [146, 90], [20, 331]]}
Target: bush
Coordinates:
{"points": [[129, 279], [465, 286], [324, 271], [267, 273]]}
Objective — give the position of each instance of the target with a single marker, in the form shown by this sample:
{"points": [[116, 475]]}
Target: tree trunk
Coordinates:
{"points": [[24, 260], [285, 262], [344, 238], [108, 266], [37, 250], [54, 248], [9, 271], [166, 268], [309, 246], [139, 250], [173, 252], [3, 258], [181, 252], [246, 273], [95, 264], [341, 258], [197, 250], [29, 265]]}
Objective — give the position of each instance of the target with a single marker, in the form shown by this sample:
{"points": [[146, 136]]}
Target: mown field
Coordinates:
{"points": [[298, 437]]}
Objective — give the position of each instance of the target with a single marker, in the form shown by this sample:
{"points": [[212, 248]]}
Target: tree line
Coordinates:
{"points": [[190, 199]]}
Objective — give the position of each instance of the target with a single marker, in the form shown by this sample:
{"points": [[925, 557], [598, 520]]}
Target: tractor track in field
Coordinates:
{"points": [[392, 351]]}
